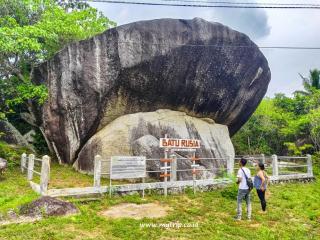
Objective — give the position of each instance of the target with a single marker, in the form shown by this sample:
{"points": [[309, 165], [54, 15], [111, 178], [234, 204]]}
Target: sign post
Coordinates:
{"points": [[166, 172], [177, 144], [173, 166], [126, 167]]}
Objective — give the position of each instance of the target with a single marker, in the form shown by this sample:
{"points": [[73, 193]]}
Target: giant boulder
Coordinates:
{"points": [[201, 68], [139, 134]]}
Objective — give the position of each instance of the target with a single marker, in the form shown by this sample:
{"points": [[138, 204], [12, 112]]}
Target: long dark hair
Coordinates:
{"points": [[261, 166]]}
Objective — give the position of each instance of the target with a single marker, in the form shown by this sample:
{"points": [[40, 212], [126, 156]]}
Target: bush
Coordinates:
{"points": [[12, 154]]}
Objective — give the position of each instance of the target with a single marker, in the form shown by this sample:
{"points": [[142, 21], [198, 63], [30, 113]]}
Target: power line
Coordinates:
{"points": [[244, 3], [218, 5]]}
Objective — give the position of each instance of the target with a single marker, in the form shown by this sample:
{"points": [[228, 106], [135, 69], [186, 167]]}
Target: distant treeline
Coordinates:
{"points": [[284, 125]]}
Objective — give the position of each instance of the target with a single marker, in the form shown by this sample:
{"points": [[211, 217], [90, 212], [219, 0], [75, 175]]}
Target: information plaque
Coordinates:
{"points": [[128, 167]]}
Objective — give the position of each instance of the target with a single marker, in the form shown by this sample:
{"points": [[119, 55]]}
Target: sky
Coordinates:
{"points": [[266, 27]]}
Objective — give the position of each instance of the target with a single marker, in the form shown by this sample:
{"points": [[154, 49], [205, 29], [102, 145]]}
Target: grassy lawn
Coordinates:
{"points": [[294, 213]]}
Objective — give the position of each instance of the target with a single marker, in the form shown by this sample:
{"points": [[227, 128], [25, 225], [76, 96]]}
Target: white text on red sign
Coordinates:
{"points": [[179, 143]]}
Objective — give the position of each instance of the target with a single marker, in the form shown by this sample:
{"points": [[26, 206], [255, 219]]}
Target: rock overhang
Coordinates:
{"points": [[204, 69]]}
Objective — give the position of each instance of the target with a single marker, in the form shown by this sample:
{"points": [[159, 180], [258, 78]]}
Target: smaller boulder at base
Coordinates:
{"points": [[48, 206]]}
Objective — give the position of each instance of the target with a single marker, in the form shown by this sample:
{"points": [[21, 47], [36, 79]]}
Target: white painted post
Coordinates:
{"points": [[275, 166], [45, 174], [165, 172], [230, 165], [173, 176], [30, 166], [263, 158], [23, 162], [143, 182], [97, 171], [194, 172], [309, 163], [110, 178]]}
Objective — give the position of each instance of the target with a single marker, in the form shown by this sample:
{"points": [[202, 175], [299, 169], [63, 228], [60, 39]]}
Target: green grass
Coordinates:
{"points": [[293, 213]]}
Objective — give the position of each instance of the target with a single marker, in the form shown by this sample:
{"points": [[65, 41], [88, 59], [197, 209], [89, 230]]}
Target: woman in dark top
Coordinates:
{"points": [[260, 183]]}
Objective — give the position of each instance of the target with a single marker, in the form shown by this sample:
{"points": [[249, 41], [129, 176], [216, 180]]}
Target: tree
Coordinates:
{"points": [[314, 117], [32, 31], [312, 83]]}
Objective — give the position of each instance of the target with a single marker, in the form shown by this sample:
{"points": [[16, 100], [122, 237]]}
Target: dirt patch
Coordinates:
{"points": [[255, 225], [137, 211], [19, 220]]}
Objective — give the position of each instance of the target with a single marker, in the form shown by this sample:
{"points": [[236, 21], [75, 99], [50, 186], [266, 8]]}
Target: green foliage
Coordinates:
{"points": [[284, 125], [261, 134], [32, 32], [50, 27], [230, 192], [293, 149], [312, 83], [314, 118], [40, 143], [12, 154]]}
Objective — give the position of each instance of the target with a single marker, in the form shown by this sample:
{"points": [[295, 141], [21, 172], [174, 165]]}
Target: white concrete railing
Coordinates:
{"points": [[278, 163], [230, 163], [28, 164]]}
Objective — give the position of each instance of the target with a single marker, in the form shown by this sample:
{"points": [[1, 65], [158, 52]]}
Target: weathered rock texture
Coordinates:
{"points": [[204, 69], [138, 134], [3, 165], [9, 134], [48, 206]]}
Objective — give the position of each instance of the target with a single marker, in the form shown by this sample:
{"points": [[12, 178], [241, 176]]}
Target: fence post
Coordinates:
{"points": [[275, 166], [309, 163], [230, 165], [97, 171], [30, 166], [45, 174], [173, 176], [263, 158], [23, 162]]}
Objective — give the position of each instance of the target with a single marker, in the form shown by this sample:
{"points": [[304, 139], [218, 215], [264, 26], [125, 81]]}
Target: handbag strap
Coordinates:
{"points": [[244, 174]]}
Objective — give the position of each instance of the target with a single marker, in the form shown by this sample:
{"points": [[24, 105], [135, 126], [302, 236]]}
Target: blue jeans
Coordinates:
{"points": [[243, 194]]}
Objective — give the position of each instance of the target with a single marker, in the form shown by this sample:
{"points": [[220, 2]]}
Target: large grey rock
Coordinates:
{"points": [[139, 133], [3, 165], [48, 206], [10, 135], [204, 69]]}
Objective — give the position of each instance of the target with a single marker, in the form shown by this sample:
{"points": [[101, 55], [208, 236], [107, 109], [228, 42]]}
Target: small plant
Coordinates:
{"points": [[230, 192], [12, 154]]}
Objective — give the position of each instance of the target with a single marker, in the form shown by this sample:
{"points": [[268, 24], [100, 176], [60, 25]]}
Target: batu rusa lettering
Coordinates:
{"points": [[179, 143]]}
